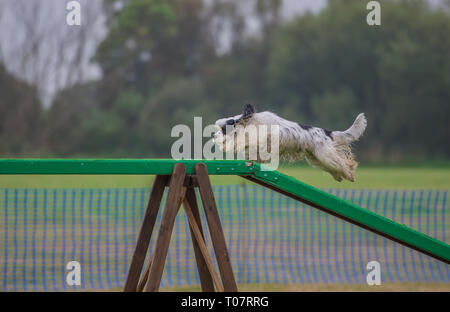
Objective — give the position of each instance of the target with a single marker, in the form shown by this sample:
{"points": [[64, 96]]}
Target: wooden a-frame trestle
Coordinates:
{"points": [[181, 193]]}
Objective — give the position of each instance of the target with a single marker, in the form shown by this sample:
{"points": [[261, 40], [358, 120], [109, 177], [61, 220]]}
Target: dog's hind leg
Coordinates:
{"points": [[314, 162], [331, 162], [344, 152]]}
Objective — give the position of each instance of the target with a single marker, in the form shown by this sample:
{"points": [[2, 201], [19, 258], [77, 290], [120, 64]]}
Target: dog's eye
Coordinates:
{"points": [[229, 122]]}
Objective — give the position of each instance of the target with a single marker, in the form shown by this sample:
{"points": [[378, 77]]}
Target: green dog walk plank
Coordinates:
{"points": [[251, 170], [119, 166], [354, 214]]}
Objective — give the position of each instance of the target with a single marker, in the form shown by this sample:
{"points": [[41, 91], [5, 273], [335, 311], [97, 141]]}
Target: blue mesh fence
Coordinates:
{"points": [[271, 238]]}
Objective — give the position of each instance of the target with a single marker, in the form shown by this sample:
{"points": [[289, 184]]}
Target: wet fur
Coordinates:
{"points": [[328, 150]]}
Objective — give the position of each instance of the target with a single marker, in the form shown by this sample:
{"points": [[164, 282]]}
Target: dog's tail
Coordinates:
{"points": [[353, 133]]}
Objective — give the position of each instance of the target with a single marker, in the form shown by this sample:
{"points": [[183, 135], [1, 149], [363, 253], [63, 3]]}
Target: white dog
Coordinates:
{"points": [[327, 150]]}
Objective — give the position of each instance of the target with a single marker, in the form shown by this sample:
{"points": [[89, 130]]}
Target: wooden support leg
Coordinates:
{"points": [[144, 279], [204, 261], [145, 233], [215, 228], [174, 199]]}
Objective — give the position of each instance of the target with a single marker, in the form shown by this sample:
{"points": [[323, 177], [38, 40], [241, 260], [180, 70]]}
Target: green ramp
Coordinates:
{"points": [[350, 212], [251, 171]]}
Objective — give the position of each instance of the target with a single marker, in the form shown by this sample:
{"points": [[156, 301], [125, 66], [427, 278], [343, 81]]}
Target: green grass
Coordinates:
{"points": [[273, 219], [384, 177], [389, 287]]}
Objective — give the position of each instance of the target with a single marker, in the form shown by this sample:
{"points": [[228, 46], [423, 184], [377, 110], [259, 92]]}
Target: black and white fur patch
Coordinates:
{"points": [[325, 149]]}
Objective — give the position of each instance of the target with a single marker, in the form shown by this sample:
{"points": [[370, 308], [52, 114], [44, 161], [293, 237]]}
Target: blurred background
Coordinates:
{"points": [[116, 85]]}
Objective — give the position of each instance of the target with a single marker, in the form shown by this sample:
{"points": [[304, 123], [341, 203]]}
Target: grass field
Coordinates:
{"points": [[111, 234], [378, 177], [330, 287]]}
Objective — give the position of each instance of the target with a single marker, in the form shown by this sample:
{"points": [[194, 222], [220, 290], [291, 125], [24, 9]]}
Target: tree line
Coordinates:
{"points": [[161, 66]]}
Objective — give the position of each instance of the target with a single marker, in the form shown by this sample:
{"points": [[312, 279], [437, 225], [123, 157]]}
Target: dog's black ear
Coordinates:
{"points": [[249, 110]]}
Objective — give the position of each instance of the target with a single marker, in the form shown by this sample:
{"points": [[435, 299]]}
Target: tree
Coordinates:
{"points": [[20, 116], [150, 41], [64, 132], [177, 103], [396, 73], [41, 49]]}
